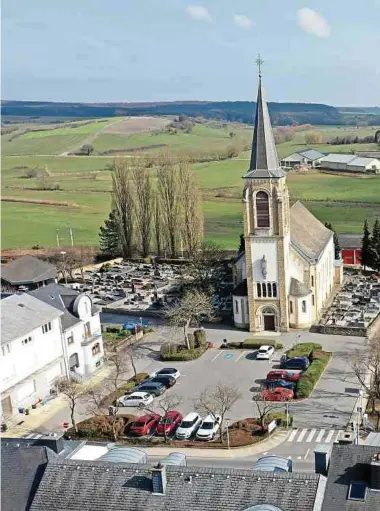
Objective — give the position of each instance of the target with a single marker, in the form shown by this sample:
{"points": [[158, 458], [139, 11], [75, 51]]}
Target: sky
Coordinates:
{"points": [[327, 51]]}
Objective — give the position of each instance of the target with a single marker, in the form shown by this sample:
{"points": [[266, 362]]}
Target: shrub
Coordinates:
{"points": [[279, 346], [114, 329], [184, 354], [280, 418], [303, 349], [310, 377], [200, 337], [168, 349], [30, 173]]}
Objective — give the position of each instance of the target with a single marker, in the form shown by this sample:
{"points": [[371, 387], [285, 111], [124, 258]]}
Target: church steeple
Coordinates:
{"points": [[264, 160]]}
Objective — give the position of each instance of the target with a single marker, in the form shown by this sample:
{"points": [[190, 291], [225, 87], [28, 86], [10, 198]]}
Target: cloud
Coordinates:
{"points": [[313, 22], [243, 21], [198, 12]]}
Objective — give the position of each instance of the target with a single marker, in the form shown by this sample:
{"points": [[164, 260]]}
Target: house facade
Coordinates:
{"points": [[287, 271]]}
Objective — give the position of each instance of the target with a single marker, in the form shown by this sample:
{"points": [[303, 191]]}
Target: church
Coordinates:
{"points": [[287, 272]]}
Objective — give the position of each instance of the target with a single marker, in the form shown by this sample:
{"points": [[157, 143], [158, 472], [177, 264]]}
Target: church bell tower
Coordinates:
{"points": [[266, 228]]}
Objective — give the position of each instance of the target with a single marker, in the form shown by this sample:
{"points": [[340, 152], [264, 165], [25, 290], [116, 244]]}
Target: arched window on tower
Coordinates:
{"points": [[262, 210]]}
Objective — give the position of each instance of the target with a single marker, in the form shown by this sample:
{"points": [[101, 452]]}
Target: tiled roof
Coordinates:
{"points": [[241, 289], [297, 288], [22, 313], [22, 469], [27, 270], [100, 486], [350, 240], [350, 463], [264, 160], [312, 154], [307, 234]]}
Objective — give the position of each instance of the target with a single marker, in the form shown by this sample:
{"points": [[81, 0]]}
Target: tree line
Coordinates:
{"points": [[153, 210], [370, 255]]}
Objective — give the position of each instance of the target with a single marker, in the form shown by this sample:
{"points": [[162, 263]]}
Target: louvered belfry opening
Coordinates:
{"points": [[262, 210]]}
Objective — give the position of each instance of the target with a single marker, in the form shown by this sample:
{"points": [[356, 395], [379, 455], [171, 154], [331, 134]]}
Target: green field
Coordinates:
{"points": [[85, 182]]}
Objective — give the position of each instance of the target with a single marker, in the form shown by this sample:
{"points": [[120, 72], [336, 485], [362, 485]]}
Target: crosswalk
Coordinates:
{"points": [[323, 436]]}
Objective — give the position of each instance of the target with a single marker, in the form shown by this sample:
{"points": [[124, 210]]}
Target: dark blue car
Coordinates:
{"points": [[280, 383], [295, 363]]}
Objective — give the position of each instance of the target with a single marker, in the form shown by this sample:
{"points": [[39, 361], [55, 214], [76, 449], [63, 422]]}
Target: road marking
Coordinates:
{"points": [[330, 435], [320, 435], [299, 457], [216, 356], [336, 438], [292, 435], [229, 355], [307, 453], [311, 434], [302, 434], [239, 357]]}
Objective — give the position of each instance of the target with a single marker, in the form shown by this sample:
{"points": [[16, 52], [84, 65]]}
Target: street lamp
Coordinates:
{"points": [[228, 434]]}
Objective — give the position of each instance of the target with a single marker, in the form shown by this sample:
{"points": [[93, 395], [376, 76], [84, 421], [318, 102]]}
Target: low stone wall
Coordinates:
{"points": [[369, 332]]}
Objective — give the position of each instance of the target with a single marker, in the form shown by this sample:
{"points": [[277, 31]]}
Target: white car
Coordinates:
{"points": [[139, 399], [209, 427], [188, 426], [265, 353], [167, 371]]}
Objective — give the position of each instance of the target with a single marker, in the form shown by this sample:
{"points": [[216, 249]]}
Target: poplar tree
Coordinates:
{"points": [[366, 255], [375, 245]]}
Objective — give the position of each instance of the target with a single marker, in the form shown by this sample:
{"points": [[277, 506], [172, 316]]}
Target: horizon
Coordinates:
{"points": [[115, 53]]}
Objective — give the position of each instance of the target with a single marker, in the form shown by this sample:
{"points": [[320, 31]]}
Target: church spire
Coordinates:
{"points": [[264, 159]]}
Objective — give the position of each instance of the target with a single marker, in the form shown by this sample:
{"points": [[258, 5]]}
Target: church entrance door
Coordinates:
{"points": [[269, 322]]}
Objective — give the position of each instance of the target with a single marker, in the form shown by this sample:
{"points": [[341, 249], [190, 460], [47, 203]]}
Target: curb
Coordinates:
{"points": [[235, 452]]}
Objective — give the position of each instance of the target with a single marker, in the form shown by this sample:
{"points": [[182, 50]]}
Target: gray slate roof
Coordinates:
{"points": [[264, 160], [60, 297], [22, 313], [22, 469], [241, 289], [338, 158], [349, 463], [27, 270], [350, 240], [310, 154], [297, 288], [307, 234], [70, 485], [362, 161]]}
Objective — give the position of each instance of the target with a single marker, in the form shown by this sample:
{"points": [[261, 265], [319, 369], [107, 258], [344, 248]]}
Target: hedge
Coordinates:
{"points": [[197, 342], [304, 349], [319, 361], [184, 354], [252, 344], [280, 417]]}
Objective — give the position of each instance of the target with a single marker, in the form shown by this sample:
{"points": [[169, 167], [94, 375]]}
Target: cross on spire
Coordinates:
{"points": [[259, 61]]}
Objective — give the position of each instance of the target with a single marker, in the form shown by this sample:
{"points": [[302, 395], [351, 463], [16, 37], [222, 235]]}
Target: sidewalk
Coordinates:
{"points": [[235, 452], [21, 425]]}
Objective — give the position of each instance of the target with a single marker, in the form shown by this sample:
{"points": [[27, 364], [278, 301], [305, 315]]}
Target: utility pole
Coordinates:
{"points": [[228, 434], [71, 236], [57, 237]]}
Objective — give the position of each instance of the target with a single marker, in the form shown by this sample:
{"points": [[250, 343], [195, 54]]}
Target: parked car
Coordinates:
{"points": [[209, 427], [282, 374], [270, 384], [165, 379], [139, 399], [145, 425], [155, 388], [278, 394], [168, 371], [295, 363], [188, 426], [169, 423], [265, 353]]}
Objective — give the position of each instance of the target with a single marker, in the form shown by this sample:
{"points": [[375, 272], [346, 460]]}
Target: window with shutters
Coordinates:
{"points": [[262, 210]]}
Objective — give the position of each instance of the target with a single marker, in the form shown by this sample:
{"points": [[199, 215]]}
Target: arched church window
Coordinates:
{"points": [[259, 290], [274, 290], [264, 291], [269, 290], [262, 209]]}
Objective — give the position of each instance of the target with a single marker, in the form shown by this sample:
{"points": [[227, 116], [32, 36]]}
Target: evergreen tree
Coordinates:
{"points": [[336, 240], [109, 236], [366, 247], [375, 246], [242, 244]]}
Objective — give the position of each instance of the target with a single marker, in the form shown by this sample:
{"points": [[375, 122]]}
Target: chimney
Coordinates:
{"points": [[375, 472], [322, 459], [159, 479]]}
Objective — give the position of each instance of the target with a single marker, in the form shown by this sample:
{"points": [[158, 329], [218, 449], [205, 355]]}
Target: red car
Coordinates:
{"points": [[283, 374], [169, 423], [145, 425], [278, 394]]}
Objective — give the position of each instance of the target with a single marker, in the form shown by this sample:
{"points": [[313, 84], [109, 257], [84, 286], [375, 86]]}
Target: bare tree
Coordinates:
{"points": [[191, 202], [157, 223], [166, 404], [195, 306], [218, 401], [366, 367], [169, 189], [122, 196], [264, 407], [208, 257], [143, 194], [72, 389]]}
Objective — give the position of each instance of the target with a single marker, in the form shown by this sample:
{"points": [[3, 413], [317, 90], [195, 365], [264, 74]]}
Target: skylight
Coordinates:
{"points": [[357, 491]]}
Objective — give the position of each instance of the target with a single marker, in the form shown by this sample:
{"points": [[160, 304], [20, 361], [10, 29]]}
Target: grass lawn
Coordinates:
{"points": [[42, 145]]}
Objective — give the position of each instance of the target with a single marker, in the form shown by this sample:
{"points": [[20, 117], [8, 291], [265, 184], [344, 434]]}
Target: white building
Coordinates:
{"points": [[307, 157], [287, 271], [350, 163], [31, 351]]}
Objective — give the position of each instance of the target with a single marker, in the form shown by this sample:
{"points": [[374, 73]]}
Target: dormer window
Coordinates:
{"points": [[262, 210], [357, 491]]}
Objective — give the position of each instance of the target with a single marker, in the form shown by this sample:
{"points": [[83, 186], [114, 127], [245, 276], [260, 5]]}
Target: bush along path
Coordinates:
{"points": [[172, 352]]}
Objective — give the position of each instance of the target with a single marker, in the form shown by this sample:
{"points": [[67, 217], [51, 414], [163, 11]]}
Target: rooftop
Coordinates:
{"points": [[27, 270]]}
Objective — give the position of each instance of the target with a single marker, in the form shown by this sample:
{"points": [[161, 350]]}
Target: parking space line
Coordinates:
{"points": [[307, 453], [320, 435], [302, 434], [330, 435], [239, 357], [311, 434], [216, 356], [292, 435]]}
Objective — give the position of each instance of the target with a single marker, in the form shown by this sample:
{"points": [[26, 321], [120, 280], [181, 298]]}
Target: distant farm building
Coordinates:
{"points": [[307, 157], [350, 163]]}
